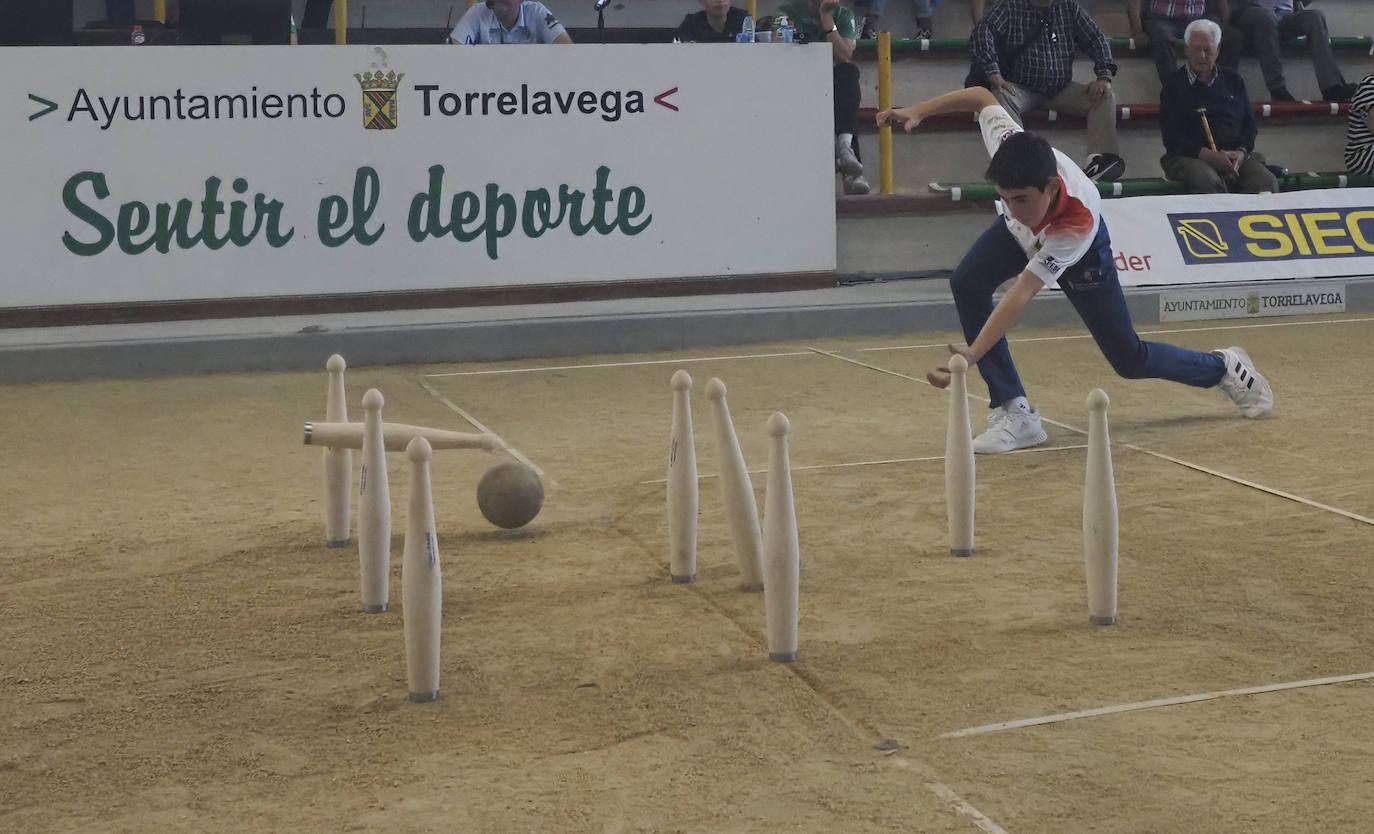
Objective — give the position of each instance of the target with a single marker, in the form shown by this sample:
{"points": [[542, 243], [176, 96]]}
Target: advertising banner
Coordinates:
{"points": [[157, 174]]}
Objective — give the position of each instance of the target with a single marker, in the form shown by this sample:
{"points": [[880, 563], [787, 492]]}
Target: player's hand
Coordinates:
{"points": [[906, 117], [942, 376], [1099, 89]]}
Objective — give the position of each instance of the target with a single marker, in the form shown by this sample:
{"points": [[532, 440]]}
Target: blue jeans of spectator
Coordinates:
{"points": [[1092, 287]]}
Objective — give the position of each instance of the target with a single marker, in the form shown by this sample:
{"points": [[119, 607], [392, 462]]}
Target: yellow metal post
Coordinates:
{"points": [[884, 102], [341, 21], [160, 11], [753, 8]]}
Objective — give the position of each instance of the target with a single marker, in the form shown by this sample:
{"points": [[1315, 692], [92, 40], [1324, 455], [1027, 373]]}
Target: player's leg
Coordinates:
{"points": [[995, 258], [1094, 289]]}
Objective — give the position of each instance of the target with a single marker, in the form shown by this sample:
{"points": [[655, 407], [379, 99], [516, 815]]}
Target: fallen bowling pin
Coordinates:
{"points": [[395, 437], [737, 491], [959, 472], [1099, 515], [421, 581], [374, 509]]}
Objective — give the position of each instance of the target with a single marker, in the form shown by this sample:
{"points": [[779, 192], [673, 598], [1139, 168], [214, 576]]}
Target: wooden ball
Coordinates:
{"points": [[510, 495]]}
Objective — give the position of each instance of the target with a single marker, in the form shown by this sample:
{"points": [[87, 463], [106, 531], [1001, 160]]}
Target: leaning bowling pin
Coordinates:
{"points": [[737, 491], [1099, 515], [338, 463], [374, 509], [421, 583], [781, 555], [682, 485], [959, 479]]}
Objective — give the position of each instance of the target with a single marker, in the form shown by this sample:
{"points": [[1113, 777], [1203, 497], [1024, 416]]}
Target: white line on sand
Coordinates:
{"points": [[1160, 702]]}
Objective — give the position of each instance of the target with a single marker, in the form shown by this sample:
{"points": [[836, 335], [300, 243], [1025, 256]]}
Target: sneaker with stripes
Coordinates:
{"points": [[1246, 387]]}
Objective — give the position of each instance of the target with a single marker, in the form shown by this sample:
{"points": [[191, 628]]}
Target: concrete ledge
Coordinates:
{"points": [[874, 307]]}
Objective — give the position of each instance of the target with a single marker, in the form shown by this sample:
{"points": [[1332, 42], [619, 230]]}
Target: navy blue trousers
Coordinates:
{"points": [[1093, 288]]}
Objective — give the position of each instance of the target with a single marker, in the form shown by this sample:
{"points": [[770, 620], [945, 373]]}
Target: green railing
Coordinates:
{"points": [[1118, 44], [1153, 186]]}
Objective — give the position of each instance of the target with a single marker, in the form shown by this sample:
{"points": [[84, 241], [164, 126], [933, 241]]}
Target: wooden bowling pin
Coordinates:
{"points": [[1099, 515], [959, 480], [781, 554], [737, 490], [421, 583], [374, 509], [395, 437], [338, 463], [682, 485]]}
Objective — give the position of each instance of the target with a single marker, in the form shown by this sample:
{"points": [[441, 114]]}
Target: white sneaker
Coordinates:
{"points": [[1009, 430], [1246, 387], [855, 185], [845, 160]]}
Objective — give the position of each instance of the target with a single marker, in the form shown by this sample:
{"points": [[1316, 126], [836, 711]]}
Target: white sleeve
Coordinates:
{"points": [[468, 30], [997, 125], [542, 21]]}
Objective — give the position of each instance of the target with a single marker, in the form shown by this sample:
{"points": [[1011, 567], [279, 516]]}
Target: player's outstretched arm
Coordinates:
{"points": [[1008, 310], [967, 100]]}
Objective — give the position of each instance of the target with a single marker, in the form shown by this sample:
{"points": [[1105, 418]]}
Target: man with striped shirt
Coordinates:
{"points": [[1359, 131]]}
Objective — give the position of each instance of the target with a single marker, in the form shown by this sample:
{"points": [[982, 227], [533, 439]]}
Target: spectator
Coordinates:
{"points": [[1359, 132], [1026, 49], [1161, 22], [870, 12], [826, 21], [1201, 89], [508, 21], [717, 22], [1264, 23], [316, 14]]}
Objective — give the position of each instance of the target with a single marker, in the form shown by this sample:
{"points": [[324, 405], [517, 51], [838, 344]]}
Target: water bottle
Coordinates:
{"points": [[137, 38], [785, 31], [747, 36]]}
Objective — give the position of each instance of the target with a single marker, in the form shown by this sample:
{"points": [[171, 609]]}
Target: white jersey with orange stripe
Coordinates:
{"points": [[1067, 232]]}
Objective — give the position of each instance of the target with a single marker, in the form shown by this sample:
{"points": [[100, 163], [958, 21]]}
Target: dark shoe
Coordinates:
{"points": [[1281, 94], [869, 30], [922, 34], [1105, 167], [1338, 92]]}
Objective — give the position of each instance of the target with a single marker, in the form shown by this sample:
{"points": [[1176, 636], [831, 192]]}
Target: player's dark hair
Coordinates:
{"points": [[1025, 160]]}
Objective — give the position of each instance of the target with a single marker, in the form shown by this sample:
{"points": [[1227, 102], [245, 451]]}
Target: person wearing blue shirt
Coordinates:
{"points": [[508, 21]]}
